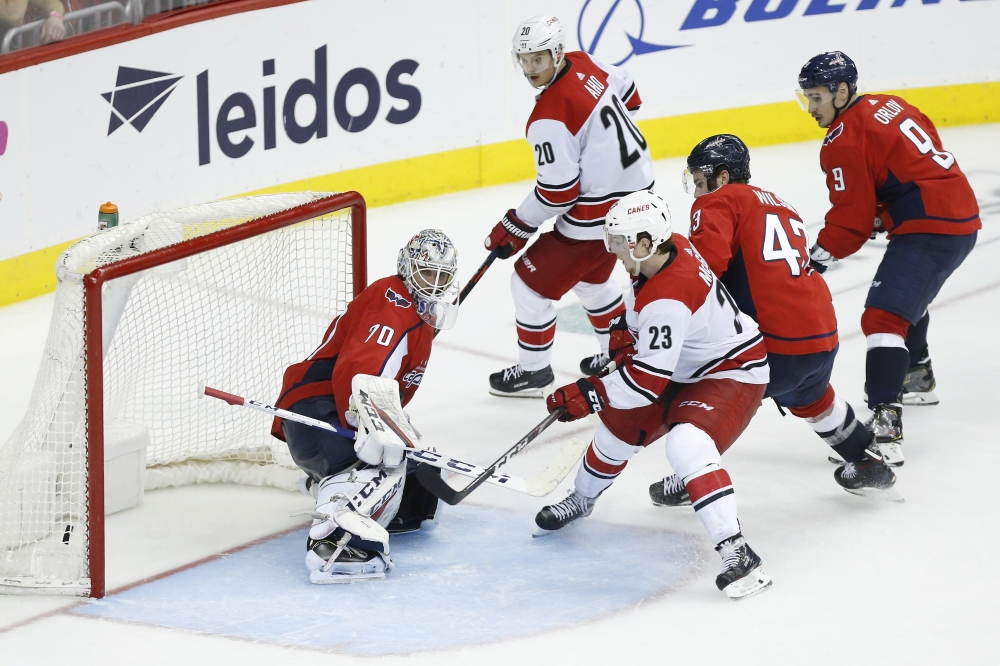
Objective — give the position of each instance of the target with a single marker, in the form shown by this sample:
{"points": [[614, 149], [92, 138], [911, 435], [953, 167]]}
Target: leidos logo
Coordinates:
{"points": [[238, 114], [137, 96]]}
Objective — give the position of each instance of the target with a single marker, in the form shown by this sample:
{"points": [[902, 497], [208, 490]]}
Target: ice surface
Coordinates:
{"points": [[855, 581]]}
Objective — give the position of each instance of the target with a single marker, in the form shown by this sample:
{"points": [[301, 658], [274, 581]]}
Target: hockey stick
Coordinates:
{"points": [[432, 481], [475, 278], [537, 486]]}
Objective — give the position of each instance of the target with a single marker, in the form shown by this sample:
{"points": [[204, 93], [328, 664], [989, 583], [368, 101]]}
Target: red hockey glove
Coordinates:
{"points": [[621, 341], [510, 235], [586, 396]]}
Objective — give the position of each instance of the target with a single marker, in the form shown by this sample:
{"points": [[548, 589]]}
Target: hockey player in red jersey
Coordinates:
{"points": [[886, 170], [386, 331], [756, 245], [588, 153], [690, 366]]}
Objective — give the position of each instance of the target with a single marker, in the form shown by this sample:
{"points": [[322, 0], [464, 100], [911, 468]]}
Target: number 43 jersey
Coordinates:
{"points": [[588, 151], [884, 158], [687, 328], [756, 244]]}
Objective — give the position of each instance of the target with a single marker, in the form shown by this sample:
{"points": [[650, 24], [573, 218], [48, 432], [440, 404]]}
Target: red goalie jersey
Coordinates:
{"points": [[883, 157], [756, 244], [379, 333]]}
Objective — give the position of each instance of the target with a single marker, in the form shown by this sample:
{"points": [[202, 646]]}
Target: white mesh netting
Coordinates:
{"points": [[232, 317]]}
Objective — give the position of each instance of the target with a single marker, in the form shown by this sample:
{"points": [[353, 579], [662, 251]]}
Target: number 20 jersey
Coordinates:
{"points": [[686, 329], [588, 151], [883, 157], [756, 243]]}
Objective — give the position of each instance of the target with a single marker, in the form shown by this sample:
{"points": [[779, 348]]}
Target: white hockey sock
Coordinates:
{"points": [[536, 325], [605, 459], [695, 458], [602, 302]]}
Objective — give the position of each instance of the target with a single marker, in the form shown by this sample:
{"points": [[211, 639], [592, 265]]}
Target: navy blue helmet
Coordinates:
{"points": [[829, 69], [721, 150]]}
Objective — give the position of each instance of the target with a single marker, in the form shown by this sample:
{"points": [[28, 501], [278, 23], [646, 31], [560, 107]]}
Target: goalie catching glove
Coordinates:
{"points": [[510, 235], [587, 396]]}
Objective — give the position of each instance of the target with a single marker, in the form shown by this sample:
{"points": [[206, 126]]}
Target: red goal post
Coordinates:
{"points": [[278, 247]]}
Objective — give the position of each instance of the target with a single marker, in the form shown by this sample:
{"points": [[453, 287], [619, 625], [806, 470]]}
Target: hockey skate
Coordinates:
{"points": [[669, 492], [332, 562], [742, 575], [886, 424], [559, 515], [918, 388], [593, 365], [516, 382], [869, 477]]}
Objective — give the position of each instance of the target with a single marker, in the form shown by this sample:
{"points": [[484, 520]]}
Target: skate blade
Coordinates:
{"points": [[672, 506], [920, 399], [538, 532], [319, 578], [541, 392], [884, 494], [835, 460], [752, 584]]}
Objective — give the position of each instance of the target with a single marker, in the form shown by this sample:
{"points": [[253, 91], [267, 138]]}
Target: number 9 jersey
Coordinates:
{"points": [[884, 158]]}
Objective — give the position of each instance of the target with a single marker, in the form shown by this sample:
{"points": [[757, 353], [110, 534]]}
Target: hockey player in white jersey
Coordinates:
{"points": [[690, 366], [588, 153]]}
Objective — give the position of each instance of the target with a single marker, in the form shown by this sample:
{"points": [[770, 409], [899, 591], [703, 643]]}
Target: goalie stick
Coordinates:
{"points": [[432, 480], [537, 486]]}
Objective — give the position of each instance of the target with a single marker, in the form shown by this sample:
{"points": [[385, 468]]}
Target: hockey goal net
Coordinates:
{"points": [[228, 293]]}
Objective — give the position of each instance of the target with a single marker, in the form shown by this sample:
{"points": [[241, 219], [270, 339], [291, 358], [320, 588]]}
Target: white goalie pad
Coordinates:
{"points": [[361, 503]]}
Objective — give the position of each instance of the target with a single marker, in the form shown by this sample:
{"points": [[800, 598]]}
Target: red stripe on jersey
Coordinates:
{"points": [[634, 101], [536, 338], [648, 382], [595, 463], [562, 197], [706, 484], [569, 100], [752, 356], [588, 212]]}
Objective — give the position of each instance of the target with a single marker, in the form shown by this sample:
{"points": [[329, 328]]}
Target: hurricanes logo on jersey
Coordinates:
{"points": [[396, 299]]}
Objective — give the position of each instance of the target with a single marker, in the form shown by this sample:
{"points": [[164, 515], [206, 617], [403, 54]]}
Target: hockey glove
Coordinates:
{"points": [[586, 396], [510, 235], [375, 452], [820, 259], [621, 341]]}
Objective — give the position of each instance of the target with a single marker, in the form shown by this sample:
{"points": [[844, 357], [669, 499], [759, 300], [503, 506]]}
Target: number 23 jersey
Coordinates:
{"points": [[884, 158], [687, 329], [588, 151], [756, 244], [378, 334]]}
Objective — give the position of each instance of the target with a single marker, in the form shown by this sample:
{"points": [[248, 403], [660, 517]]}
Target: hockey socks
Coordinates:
{"points": [[916, 340], [605, 459], [885, 371], [714, 500], [840, 428]]}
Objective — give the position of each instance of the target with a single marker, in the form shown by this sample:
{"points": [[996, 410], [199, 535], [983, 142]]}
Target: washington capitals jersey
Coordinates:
{"points": [[379, 334], [588, 150], [884, 158], [687, 328], [756, 244]]}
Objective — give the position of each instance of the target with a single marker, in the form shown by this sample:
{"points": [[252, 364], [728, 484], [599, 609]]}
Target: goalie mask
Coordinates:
{"points": [[428, 265], [631, 215]]}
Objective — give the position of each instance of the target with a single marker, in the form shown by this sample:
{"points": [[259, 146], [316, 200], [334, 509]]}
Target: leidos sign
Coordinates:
{"points": [[238, 125], [237, 116]]}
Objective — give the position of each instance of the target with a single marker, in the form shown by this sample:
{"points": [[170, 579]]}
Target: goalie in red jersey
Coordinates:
{"points": [[755, 243], [886, 170], [387, 332], [588, 153]]}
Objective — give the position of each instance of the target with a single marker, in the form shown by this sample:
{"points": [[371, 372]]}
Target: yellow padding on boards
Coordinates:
{"points": [[32, 274]]}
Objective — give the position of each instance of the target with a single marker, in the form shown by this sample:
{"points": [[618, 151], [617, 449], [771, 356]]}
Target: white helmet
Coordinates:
{"points": [[632, 214], [428, 265], [540, 33]]}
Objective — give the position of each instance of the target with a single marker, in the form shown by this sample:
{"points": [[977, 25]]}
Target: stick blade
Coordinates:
{"points": [[430, 478], [570, 454]]}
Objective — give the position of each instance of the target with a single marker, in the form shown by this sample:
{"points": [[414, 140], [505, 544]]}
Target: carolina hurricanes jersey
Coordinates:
{"points": [[882, 153], [756, 244], [379, 334], [687, 328], [588, 150]]}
